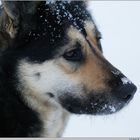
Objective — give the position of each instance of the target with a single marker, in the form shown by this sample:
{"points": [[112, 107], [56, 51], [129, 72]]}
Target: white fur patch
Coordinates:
{"points": [[52, 80]]}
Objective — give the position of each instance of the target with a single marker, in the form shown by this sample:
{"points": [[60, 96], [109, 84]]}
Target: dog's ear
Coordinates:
{"points": [[14, 13]]}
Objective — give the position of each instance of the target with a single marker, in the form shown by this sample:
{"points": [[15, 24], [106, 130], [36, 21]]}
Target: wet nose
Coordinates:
{"points": [[123, 88], [125, 91]]}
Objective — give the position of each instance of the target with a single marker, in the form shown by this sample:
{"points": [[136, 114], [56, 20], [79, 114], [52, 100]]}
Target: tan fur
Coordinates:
{"points": [[92, 75], [90, 30], [92, 72]]}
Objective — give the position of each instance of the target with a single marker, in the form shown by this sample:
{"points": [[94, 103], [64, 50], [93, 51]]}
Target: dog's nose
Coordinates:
{"points": [[126, 91], [122, 87]]}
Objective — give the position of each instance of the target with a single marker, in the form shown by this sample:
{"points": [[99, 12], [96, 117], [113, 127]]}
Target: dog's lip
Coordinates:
{"points": [[112, 109], [97, 103]]}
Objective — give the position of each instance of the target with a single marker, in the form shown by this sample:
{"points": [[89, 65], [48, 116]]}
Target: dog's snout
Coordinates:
{"points": [[125, 91]]}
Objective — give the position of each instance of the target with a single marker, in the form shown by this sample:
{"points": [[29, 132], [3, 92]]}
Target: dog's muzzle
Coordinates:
{"points": [[121, 92]]}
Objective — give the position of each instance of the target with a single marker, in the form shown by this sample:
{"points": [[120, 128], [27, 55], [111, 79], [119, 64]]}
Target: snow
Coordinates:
{"points": [[125, 80], [104, 107], [60, 13], [119, 24], [50, 1], [53, 1], [112, 108]]}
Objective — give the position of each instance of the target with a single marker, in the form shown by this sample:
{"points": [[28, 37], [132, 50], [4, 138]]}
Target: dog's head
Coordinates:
{"points": [[56, 50]]}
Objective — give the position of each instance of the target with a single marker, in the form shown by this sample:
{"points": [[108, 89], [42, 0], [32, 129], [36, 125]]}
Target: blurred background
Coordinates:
{"points": [[119, 23]]}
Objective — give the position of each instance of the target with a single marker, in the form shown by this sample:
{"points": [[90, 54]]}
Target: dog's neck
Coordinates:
{"points": [[53, 117]]}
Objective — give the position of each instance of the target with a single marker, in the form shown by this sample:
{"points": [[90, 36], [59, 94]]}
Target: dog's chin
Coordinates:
{"points": [[95, 105]]}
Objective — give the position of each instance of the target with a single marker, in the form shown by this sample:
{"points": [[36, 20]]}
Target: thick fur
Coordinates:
{"points": [[41, 84]]}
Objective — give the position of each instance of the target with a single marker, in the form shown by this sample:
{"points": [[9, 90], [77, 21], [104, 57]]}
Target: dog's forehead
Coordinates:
{"points": [[56, 19]]}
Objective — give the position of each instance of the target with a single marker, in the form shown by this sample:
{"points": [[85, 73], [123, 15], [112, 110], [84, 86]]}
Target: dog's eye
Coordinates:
{"points": [[73, 55]]}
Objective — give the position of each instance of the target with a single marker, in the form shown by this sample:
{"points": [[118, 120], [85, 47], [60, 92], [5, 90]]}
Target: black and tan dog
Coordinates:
{"points": [[51, 65]]}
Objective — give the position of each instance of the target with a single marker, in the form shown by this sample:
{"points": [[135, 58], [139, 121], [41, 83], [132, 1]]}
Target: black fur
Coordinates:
{"points": [[16, 119], [36, 40]]}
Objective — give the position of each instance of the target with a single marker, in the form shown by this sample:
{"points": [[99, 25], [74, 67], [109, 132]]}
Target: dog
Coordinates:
{"points": [[52, 65]]}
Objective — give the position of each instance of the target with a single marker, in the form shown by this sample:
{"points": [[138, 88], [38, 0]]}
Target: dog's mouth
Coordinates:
{"points": [[99, 103]]}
